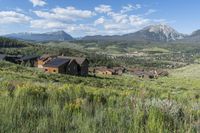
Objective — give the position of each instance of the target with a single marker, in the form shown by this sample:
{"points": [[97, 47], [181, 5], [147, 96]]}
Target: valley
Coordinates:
{"points": [[32, 100]]}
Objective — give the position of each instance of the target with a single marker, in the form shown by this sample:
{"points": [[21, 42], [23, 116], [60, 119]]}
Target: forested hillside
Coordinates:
{"points": [[11, 43]]}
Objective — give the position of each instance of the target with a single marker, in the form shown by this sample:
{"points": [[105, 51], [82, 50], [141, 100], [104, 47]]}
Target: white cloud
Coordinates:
{"points": [[80, 27], [119, 23], [74, 29], [130, 7], [122, 22], [118, 17], [38, 2], [138, 21], [99, 21], [103, 9], [8, 17], [46, 24], [19, 9], [130, 22], [81, 22], [65, 14], [150, 11], [63, 19]]}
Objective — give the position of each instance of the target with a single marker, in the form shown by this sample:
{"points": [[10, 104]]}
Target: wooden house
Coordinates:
{"points": [[61, 65], [108, 71], [119, 70], [83, 64], [44, 59], [12, 58], [30, 60], [56, 65], [72, 68], [104, 71]]}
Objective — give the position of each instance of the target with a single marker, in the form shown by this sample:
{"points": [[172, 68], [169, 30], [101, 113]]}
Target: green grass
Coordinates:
{"points": [[190, 71], [32, 101], [154, 50]]}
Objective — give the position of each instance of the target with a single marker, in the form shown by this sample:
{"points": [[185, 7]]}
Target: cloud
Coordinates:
{"points": [[56, 25], [130, 7], [118, 17], [138, 21], [68, 19], [78, 29], [8, 17], [45, 24], [65, 14], [150, 11], [121, 23], [82, 22], [19, 9], [103, 9], [38, 2], [99, 21], [126, 23]]}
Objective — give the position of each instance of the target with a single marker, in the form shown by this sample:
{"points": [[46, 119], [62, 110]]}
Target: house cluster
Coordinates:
{"points": [[77, 66], [51, 63], [19, 59], [108, 71], [64, 65], [151, 74]]}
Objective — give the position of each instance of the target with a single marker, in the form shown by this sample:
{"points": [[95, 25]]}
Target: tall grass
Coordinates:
{"points": [[31, 101], [42, 108]]}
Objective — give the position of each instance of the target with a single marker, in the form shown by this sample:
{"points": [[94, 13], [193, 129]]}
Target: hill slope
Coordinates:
{"points": [[193, 38], [32, 101], [8, 43]]}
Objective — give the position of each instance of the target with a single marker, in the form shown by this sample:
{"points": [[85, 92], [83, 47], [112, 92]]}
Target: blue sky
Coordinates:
{"points": [[90, 17]]}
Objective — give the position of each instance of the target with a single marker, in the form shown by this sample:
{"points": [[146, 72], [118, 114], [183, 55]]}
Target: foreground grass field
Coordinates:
{"points": [[31, 101]]}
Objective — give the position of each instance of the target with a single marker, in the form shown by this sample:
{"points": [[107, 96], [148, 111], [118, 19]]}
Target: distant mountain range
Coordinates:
{"points": [[50, 36], [153, 33], [193, 38]]}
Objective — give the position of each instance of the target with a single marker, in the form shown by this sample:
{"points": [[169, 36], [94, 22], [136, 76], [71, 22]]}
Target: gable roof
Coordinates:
{"points": [[14, 56], [79, 60], [25, 58], [57, 62], [46, 56], [104, 69]]}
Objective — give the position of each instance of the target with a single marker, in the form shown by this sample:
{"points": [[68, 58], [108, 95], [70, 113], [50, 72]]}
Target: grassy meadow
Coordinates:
{"points": [[32, 101]]}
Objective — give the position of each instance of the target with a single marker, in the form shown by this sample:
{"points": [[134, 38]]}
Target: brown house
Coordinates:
{"points": [[64, 65], [72, 68], [108, 71], [30, 60], [44, 59], [119, 70], [83, 64], [103, 71]]}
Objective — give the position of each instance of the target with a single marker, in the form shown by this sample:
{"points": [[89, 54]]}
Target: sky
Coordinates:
{"points": [[91, 17]]}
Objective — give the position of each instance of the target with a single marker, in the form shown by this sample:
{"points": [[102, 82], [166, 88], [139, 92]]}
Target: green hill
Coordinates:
{"points": [[32, 101], [11, 43], [190, 71]]}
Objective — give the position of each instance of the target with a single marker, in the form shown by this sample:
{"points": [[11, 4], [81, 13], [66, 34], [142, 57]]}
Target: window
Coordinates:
{"points": [[46, 70], [54, 71]]}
